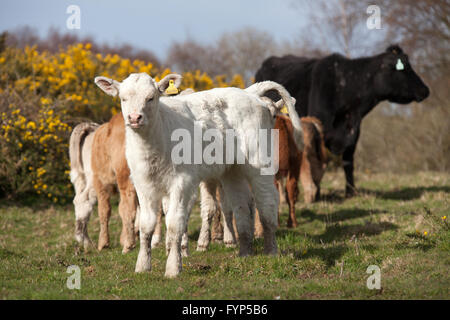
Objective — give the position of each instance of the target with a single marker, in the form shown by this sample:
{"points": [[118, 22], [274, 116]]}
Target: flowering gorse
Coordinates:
{"points": [[43, 96]]}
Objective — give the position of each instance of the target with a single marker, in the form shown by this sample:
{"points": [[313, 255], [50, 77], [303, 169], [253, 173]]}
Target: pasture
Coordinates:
{"points": [[397, 222]]}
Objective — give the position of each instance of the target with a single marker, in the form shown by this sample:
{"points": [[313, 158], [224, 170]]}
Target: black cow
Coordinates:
{"points": [[341, 91]]}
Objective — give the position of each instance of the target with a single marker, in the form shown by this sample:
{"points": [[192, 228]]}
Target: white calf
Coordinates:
{"points": [[151, 119]]}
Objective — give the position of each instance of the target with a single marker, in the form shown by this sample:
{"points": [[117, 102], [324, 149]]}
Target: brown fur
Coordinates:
{"points": [[309, 165], [110, 167], [314, 158]]}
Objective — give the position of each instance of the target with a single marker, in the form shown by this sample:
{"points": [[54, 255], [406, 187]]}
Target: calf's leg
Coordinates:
{"points": [[217, 227], [229, 236], [267, 201], [207, 211], [176, 219], [127, 211], [84, 202], [104, 212], [238, 195], [292, 194], [185, 238], [149, 207], [157, 235], [259, 230], [309, 187]]}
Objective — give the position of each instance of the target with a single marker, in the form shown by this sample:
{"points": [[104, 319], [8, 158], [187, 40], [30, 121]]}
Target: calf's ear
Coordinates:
{"points": [[109, 86], [164, 83]]}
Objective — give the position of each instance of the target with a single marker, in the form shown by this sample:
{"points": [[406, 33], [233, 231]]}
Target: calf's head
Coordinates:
{"points": [[395, 79], [139, 95]]}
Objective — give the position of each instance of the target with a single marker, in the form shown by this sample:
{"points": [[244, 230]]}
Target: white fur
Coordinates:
{"points": [[81, 176], [148, 152]]}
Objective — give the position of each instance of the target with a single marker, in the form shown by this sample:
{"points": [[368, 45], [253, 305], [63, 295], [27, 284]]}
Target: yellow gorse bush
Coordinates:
{"points": [[43, 96]]}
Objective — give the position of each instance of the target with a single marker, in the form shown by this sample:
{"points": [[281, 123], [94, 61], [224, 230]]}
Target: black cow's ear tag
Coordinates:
{"points": [[399, 66]]}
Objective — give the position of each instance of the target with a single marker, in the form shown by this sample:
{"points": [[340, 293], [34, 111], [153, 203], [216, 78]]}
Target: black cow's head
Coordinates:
{"points": [[396, 80]]}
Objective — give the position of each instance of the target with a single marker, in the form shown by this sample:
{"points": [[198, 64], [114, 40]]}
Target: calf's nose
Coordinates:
{"points": [[134, 117]]}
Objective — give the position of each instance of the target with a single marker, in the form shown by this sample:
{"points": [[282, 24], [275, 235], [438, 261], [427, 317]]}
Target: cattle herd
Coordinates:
{"points": [[326, 100]]}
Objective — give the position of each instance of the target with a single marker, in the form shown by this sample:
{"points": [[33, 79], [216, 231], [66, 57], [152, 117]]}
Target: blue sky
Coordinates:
{"points": [[154, 24]]}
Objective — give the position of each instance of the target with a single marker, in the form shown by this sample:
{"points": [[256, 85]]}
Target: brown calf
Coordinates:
{"points": [[308, 164], [110, 168], [104, 167]]}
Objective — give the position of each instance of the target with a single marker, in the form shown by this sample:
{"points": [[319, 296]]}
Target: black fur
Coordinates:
{"points": [[341, 91]]}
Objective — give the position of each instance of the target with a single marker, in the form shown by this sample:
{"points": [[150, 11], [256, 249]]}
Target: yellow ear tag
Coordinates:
{"points": [[284, 110], [171, 89]]}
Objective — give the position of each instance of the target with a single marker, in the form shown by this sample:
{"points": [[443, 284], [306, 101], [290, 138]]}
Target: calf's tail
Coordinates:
{"points": [[261, 88], [79, 134]]}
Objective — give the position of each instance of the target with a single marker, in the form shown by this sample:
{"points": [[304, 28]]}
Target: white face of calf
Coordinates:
{"points": [[139, 95]]}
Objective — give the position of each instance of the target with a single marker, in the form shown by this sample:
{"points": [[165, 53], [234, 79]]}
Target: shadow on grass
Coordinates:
{"points": [[338, 232], [408, 193], [7, 254], [194, 234], [334, 196], [339, 215], [328, 255]]}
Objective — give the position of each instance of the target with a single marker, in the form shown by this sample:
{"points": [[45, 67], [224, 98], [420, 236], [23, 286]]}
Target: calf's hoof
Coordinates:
{"points": [[245, 252], [172, 272], [128, 248], [102, 246], [259, 235], [292, 224], [142, 265], [156, 241], [86, 243], [230, 244], [201, 248], [271, 252], [171, 275]]}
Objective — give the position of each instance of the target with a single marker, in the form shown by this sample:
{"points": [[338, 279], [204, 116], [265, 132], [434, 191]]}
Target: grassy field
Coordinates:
{"points": [[395, 223]]}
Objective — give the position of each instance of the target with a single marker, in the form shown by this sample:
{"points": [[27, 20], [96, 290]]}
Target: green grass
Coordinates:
{"points": [[326, 257]]}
